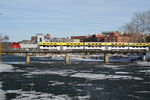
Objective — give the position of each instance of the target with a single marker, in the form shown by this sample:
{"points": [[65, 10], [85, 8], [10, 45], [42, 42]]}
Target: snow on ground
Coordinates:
{"points": [[5, 68], [91, 76]]}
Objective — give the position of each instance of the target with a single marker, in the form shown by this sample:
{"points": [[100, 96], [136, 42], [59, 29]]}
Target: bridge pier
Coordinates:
{"points": [[27, 58], [106, 57], [144, 57], [66, 58]]}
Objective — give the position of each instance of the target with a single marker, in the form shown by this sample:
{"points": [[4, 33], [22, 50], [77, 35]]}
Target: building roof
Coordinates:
{"points": [[111, 32]]}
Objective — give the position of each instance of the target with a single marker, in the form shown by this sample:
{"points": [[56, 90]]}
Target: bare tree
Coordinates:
{"points": [[140, 23], [3, 37]]}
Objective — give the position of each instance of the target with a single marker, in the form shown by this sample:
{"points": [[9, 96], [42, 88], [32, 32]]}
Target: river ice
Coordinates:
{"points": [[5, 68], [75, 81]]}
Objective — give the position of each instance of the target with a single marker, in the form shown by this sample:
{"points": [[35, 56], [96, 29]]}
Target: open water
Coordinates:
{"points": [[80, 80]]}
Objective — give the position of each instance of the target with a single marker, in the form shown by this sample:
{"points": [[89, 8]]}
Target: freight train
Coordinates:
{"points": [[82, 46]]}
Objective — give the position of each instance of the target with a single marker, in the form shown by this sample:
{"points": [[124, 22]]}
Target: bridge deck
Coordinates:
{"points": [[76, 51]]}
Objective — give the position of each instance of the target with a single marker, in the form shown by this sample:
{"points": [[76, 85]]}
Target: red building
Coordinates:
{"points": [[82, 38], [96, 38], [111, 36]]}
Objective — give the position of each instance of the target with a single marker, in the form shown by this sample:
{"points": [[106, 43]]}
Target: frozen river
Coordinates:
{"points": [[76, 81]]}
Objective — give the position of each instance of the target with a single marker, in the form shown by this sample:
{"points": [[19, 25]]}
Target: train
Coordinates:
{"points": [[82, 46]]}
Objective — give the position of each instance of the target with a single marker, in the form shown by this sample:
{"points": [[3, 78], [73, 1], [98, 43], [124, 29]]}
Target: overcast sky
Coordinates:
{"points": [[21, 19]]}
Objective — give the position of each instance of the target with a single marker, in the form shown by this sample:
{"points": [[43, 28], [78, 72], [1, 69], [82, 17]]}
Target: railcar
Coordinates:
{"points": [[93, 46], [22, 46], [82, 46]]}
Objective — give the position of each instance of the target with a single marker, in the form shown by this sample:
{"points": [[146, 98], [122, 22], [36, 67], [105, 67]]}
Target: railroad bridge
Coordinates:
{"points": [[68, 52]]}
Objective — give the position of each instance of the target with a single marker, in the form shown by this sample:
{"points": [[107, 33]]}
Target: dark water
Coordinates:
{"points": [[76, 81]]}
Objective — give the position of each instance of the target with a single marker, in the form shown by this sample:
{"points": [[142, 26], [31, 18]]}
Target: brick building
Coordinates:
{"points": [[81, 38], [96, 38], [114, 36], [147, 39], [111, 36]]}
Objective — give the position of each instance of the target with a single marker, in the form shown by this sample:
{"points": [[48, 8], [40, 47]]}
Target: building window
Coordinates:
{"points": [[40, 39]]}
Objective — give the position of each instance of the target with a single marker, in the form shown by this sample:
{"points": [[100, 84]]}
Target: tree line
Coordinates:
{"points": [[138, 27]]}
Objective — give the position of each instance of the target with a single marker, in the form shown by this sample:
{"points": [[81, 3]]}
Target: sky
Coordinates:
{"points": [[21, 19]]}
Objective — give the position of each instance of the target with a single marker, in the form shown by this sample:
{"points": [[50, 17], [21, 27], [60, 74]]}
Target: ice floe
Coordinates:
{"points": [[147, 72], [123, 72], [33, 95], [82, 97], [143, 91], [92, 76], [115, 67], [143, 63], [5, 68], [54, 83], [55, 72], [2, 94], [0, 85]]}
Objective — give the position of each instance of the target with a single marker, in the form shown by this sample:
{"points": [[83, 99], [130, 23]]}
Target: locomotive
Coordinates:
{"points": [[22, 46], [82, 46]]}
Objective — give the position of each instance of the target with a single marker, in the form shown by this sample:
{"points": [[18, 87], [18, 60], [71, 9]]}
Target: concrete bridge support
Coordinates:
{"points": [[106, 57], [147, 56], [27, 58], [66, 58], [144, 57]]}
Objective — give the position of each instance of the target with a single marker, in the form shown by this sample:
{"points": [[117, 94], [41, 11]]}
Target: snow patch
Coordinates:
{"points": [[5, 68]]}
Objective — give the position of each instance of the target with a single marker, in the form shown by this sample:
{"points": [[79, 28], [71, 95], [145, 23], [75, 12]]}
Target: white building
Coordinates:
{"points": [[40, 37]]}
